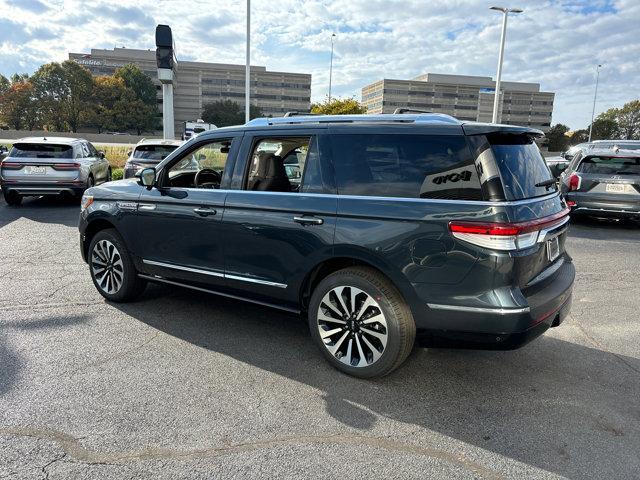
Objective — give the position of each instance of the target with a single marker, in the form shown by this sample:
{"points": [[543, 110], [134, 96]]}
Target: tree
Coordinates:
{"points": [[557, 139], [628, 119], [140, 83], [224, 113], [50, 88], [107, 92], [579, 136], [4, 84], [79, 88], [604, 129], [338, 106], [15, 104]]}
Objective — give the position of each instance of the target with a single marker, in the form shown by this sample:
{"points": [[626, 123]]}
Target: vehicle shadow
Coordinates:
{"points": [[553, 404], [61, 210], [11, 362]]}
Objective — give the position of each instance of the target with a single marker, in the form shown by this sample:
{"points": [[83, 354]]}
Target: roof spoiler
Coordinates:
{"points": [[474, 128]]}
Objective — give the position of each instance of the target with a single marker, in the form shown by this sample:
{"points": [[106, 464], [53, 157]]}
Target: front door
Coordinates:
{"points": [[279, 220], [180, 222]]}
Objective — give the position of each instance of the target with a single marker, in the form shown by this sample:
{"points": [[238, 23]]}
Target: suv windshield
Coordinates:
{"points": [[524, 172], [34, 150], [153, 152], [610, 166]]}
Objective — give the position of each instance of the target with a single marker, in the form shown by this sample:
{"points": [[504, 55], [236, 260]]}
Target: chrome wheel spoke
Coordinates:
{"points": [[354, 319], [107, 266]]}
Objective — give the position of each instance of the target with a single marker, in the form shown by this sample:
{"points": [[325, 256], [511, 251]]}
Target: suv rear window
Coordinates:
{"points": [[409, 166], [153, 152], [521, 166], [610, 166], [34, 150]]}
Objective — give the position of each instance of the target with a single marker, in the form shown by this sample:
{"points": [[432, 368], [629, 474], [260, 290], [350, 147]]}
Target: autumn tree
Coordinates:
{"points": [[337, 106], [15, 104]]}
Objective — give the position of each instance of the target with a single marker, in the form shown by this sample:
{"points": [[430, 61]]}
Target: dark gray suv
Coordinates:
{"points": [[388, 229]]}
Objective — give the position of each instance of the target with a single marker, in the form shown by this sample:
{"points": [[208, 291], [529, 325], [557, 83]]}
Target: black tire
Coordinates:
{"points": [[12, 198], [399, 326], [122, 268]]}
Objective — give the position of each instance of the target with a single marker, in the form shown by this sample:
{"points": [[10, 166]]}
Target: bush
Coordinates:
{"points": [[116, 174]]}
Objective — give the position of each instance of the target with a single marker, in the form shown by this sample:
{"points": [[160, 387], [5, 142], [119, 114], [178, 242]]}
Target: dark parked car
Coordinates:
{"points": [[604, 183], [398, 227]]}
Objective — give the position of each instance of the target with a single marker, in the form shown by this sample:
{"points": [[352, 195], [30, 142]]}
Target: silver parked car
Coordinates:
{"points": [[148, 153], [51, 166]]}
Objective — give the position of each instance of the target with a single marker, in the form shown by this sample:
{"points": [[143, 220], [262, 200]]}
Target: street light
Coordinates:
{"points": [[247, 75], [595, 94], [331, 66], [505, 12]]}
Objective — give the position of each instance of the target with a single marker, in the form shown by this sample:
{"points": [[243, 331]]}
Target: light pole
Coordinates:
{"points": [[595, 95], [331, 66], [247, 75], [505, 13]]}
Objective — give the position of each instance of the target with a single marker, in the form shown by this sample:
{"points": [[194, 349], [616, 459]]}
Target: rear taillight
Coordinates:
{"points": [[574, 182], [12, 165], [66, 166], [506, 236]]}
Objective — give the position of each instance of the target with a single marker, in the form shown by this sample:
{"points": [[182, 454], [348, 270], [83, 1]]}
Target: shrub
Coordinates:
{"points": [[116, 174]]}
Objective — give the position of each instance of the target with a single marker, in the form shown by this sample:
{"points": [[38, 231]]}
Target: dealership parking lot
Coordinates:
{"points": [[185, 385]]}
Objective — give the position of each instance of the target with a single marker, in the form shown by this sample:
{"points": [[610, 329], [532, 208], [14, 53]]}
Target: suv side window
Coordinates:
{"points": [[92, 150], [285, 164], [202, 167], [408, 166]]}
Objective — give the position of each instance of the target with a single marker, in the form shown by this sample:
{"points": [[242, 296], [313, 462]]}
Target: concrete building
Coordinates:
{"points": [[463, 96], [200, 83]]}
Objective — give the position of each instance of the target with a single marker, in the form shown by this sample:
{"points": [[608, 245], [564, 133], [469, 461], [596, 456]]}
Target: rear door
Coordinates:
{"points": [[280, 221]]}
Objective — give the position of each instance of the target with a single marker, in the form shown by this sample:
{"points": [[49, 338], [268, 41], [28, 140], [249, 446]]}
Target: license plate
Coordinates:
{"points": [[35, 170], [616, 188], [553, 249]]}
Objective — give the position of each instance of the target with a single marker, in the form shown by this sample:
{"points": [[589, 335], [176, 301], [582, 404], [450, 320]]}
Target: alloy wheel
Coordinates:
{"points": [[352, 326], [107, 266]]}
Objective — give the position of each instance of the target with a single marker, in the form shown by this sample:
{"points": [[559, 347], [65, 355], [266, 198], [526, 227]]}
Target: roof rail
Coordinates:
{"points": [[435, 118], [400, 111], [295, 113]]}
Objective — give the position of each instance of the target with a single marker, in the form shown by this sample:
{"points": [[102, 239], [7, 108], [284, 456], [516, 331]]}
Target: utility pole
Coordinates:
{"points": [[331, 66], [595, 95], [496, 98], [247, 76]]}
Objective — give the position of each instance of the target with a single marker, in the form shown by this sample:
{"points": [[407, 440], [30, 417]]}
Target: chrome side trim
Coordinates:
{"points": [[154, 278], [184, 269], [622, 210], [498, 311], [525, 201], [255, 280], [542, 236], [215, 274]]}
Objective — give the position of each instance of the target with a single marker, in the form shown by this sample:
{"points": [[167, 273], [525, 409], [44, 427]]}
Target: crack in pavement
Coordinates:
{"points": [[44, 469], [74, 449]]}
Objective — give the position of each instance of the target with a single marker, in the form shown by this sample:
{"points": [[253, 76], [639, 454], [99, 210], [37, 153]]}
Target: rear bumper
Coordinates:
{"points": [[53, 188], [603, 208], [516, 317]]}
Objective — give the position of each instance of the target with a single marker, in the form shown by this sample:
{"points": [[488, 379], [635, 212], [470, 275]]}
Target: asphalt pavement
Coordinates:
{"points": [[182, 385]]}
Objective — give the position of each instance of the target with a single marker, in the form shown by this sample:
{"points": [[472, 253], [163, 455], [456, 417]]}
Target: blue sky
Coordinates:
{"points": [[554, 43]]}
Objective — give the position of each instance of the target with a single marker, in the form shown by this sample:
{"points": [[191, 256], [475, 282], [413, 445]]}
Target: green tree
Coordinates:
{"points": [[604, 129], [108, 91], [80, 88], [628, 120], [557, 138], [4, 84], [50, 88], [338, 106], [139, 82], [224, 113]]}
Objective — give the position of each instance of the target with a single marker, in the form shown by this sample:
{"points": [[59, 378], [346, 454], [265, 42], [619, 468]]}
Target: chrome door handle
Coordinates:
{"points": [[204, 212], [146, 206], [308, 220]]}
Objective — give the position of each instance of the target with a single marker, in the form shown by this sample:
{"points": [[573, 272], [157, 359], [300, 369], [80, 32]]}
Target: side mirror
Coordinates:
{"points": [[101, 154], [567, 156], [129, 153], [148, 177]]}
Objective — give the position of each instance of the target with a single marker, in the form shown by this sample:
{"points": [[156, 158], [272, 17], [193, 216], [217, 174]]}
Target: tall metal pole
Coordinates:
{"points": [[496, 96], [331, 66], [247, 77], [595, 95]]}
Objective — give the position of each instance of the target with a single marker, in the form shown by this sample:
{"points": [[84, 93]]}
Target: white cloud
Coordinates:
{"points": [[554, 43]]}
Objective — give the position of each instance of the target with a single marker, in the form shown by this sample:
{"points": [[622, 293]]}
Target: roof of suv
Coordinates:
{"points": [[45, 140], [606, 152], [424, 120]]}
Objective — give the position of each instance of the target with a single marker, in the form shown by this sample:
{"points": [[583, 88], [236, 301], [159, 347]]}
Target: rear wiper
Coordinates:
{"points": [[546, 183]]}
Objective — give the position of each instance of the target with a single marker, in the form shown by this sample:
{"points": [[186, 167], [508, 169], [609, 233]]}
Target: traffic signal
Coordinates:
{"points": [[164, 47]]}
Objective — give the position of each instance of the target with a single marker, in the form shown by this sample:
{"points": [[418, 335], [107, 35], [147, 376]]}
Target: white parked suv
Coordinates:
{"points": [[51, 166], [148, 153]]}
